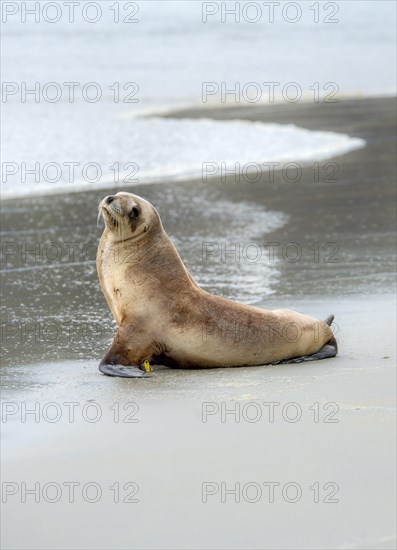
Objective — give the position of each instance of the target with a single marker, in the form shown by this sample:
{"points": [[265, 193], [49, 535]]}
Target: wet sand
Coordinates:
{"points": [[170, 452], [356, 211]]}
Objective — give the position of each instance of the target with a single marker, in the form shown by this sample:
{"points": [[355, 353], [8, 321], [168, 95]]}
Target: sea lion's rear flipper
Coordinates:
{"points": [[330, 349], [329, 319]]}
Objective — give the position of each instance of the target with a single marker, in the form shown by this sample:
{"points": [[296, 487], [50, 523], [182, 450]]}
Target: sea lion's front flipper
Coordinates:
{"points": [[123, 371], [126, 358]]}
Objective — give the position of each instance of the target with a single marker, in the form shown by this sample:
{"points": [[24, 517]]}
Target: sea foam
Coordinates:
{"points": [[106, 149]]}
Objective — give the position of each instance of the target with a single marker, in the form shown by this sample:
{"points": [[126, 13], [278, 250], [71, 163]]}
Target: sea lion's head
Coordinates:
{"points": [[128, 216]]}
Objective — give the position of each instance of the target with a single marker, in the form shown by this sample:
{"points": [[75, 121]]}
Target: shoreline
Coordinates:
{"points": [[346, 211], [282, 113], [249, 143]]}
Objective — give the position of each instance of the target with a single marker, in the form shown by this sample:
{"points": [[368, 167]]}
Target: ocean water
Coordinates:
{"points": [[108, 149], [170, 51], [163, 61]]}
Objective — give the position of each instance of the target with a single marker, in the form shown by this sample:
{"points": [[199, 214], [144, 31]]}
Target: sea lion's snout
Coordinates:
{"points": [[110, 205], [116, 209], [110, 210]]}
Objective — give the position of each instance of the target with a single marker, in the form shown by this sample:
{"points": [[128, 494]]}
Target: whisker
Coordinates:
{"points": [[99, 216], [115, 213]]}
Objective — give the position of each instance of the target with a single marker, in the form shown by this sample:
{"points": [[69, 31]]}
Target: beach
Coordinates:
{"points": [[331, 229]]}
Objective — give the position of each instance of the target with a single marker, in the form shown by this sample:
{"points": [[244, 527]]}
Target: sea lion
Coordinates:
{"points": [[165, 317]]}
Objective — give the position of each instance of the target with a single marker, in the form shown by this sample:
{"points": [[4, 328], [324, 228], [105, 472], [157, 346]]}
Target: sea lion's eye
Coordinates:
{"points": [[134, 212]]}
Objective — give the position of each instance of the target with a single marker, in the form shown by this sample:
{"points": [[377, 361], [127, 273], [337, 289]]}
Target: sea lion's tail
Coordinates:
{"points": [[330, 349], [329, 319]]}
